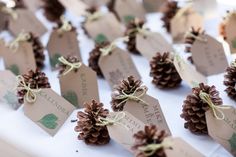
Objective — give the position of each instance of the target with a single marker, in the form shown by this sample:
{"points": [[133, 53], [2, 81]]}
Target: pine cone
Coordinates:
{"points": [[94, 56], [163, 71], [189, 40], [86, 125], [62, 67], [53, 10], [230, 81], [36, 79], [38, 50], [131, 33], [194, 108], [127, 86], [150, 135], [169, 10]]}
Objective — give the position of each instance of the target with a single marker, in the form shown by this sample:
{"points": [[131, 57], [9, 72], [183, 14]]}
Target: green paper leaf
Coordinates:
{"points": [[71, 97], [54, 60], [234, 43], [128, 18], [15, 69], [49, 121], [232, 142], [100, 38], [11, 98]]}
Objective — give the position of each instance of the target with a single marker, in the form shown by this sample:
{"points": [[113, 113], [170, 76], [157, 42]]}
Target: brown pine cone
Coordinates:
{"points": [[169, 11], [230, 80], [163, 71], [37, 80], [62, 67], [94, 56], [87, 126], [131, 32], [38, 50], [189, 40], [194, 108], [53, 10], [150, 135], [128, 86]]}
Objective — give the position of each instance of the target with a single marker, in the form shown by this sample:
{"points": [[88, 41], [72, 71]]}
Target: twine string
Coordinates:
{"points": [[66, 26], [195, 37], [71, 66], [151, 149], [94, 16], [10, 12], [105, 51], [30, 95], [16, 42], [217, 112], [111, 121], [133, 96]]}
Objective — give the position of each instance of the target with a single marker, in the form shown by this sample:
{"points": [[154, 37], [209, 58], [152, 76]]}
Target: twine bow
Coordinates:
{"points": [[94, 16], [105, 51], [30, 95], [111, 121], [133, 96], [195, 37], [150, 149], [66, 26], [21, 37], [72, 66], [215, 109], [10, 12]]}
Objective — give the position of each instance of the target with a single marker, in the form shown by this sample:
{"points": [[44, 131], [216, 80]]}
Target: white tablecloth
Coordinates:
{"points": [[24, 134]]}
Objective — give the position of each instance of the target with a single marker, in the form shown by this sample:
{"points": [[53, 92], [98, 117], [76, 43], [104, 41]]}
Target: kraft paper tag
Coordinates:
{"points": [[77, 7], [27, 21], [62, 45], [8, 94], [223, 131], [20, 61], [188, 73], [184, 19], [80, 86], [33, 5], [128, 10], [96, 3], [180, 148], [149, 113], [3, 21], [123, 131], [50, 111], [151, 43], [231, 32], [153, 5], [106, 27], [9, 150], [209, 55], [117, 66]]}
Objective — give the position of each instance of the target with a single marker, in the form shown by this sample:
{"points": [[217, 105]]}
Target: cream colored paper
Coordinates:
{"points": [[50, 111], [80, 87]]}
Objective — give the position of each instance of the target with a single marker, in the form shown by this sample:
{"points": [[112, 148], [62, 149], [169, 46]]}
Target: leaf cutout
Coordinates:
{"points": [[54, 60], [49, 121], [128, 18], [234, 43], [11, 99], [72, 98], [15, 69], [100, 38], [232, 142]]}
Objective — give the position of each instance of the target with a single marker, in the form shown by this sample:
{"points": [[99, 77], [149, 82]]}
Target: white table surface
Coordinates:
{"points": [[24, 134]]}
